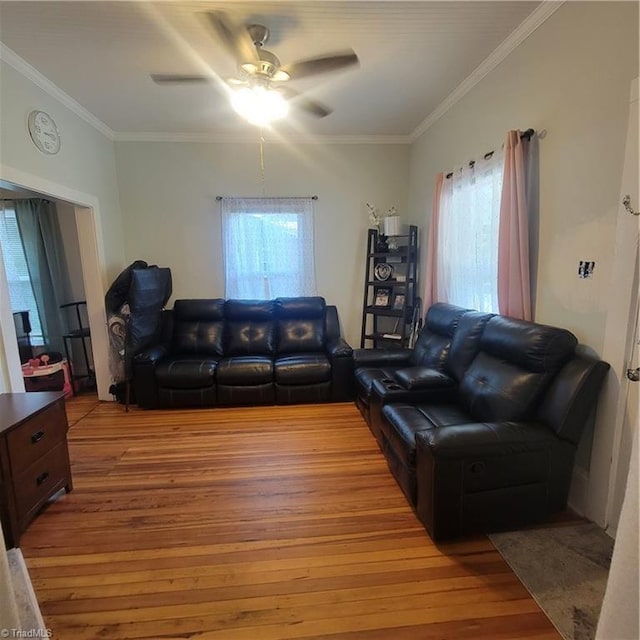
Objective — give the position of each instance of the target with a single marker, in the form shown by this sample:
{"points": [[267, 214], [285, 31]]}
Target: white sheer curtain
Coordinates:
{"points": [[268, 247], [467, 235]]}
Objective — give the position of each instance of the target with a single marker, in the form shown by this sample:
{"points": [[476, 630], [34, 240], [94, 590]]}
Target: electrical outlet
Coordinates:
{"points": [[585, 268]]}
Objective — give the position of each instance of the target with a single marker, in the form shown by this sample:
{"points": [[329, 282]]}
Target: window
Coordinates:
{"points": [[15, 265], [468, 235], [268, 247]]}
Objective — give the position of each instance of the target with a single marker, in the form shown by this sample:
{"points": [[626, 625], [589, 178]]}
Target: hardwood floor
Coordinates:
{"points": [[254, 523]]}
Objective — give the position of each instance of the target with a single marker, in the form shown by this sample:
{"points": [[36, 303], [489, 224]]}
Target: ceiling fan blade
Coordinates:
{"points": [[322, 64], [176, 78], [235, 38], [313, 107]]}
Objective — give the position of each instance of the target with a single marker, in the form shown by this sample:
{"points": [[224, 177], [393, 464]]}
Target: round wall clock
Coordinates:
{"points": [[44, 132]]}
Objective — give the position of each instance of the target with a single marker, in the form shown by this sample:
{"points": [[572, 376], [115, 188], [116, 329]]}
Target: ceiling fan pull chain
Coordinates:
{"points": [[264, 189]]}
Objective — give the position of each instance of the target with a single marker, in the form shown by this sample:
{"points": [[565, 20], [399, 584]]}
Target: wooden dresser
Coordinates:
{"points": [[34, 458]]}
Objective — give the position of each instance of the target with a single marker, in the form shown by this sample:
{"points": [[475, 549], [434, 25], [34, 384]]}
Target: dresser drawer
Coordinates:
{"points": [[35, 437], [40, 481]]}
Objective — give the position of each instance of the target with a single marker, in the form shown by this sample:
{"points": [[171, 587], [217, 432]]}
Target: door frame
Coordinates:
{"points": [[598, 491], [88, 223]]}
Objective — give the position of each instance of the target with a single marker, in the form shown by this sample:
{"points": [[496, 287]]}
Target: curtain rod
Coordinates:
{"points": [[525, 135], [265, 197]]}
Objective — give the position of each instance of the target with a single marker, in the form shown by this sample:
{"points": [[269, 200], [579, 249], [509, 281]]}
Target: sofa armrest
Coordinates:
{"points": [[571, 400], [486, 439], [388, 390], [381, 357], [341, 355], [418, 378], [151, 355], [339, 348], [486, 476], [144, 375]]}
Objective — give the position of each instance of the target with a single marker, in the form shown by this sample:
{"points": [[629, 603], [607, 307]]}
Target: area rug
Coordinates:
{"points": [[565, 569], [28, 610]]}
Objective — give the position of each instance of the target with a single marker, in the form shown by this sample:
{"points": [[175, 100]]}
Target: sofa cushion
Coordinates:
{"points": [[245, 370], [466, 342], [198, 327], [300, 307], [186, 372], [434, 341], [303, 368], [246, 337], [516, 363], [300, 324], [497, 390], [257, 310], [249, 329], [300, 335], [403, 421], [528, 345]]}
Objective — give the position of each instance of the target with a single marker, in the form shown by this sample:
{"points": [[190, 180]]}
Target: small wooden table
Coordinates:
{"points": [[34, 457]]}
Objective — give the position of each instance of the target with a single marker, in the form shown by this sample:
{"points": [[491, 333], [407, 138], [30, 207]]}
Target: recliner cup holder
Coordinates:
{"points": [[387, 380], [394, 387]]}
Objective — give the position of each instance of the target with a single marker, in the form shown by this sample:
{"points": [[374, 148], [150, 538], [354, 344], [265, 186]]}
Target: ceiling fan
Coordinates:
{"points": [[261, 84]]}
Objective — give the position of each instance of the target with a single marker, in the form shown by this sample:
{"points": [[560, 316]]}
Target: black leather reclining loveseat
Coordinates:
{"points": [[235, 352], [479, 424]]}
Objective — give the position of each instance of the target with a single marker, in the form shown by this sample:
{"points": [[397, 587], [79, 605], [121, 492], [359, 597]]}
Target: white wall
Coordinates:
{"points": [[85, 162], [570, 78], [82, 172], [171, 217]]}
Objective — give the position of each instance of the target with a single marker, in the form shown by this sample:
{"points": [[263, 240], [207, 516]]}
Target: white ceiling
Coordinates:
{"points": [[413, 56]]}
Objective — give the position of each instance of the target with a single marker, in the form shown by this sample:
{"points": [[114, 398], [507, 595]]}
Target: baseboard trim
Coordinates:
{"points": [[578, 492]]}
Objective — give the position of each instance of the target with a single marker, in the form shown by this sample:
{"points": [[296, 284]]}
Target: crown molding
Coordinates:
{"points": [[25, 69], [31, 73], [523, 31], [252, 138]]}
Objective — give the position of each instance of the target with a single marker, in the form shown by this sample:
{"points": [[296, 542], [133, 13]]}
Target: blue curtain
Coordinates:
{"points": [[44, 251]]}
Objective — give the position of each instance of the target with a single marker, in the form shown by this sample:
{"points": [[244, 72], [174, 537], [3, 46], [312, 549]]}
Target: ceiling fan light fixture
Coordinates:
{"points": [[280, 76], [249, 68], [259, 105]]}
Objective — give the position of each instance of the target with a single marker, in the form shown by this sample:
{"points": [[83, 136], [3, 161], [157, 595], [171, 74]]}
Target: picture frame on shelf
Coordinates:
{"points": [[382, 297], [398, 302]]}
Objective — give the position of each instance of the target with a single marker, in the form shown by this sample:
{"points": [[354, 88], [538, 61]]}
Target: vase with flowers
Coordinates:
{"points": [[375, 220], [392, 228], [386, 225]]}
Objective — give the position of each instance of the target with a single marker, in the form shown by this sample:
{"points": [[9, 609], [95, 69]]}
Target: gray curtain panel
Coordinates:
{"points": [[42, 241]]}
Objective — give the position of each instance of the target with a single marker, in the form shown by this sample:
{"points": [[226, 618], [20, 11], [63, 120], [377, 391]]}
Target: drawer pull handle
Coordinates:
{"points": [[36, 437], [42, 477]]}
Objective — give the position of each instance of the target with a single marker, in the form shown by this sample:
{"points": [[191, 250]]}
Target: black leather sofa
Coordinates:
{"points": [[482, 435], [238, 352], [447, 343], [431, 349]]}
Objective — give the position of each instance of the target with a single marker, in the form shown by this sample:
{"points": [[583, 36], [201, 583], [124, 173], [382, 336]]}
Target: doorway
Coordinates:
{"points": [[84, 210], [41, 256]]}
